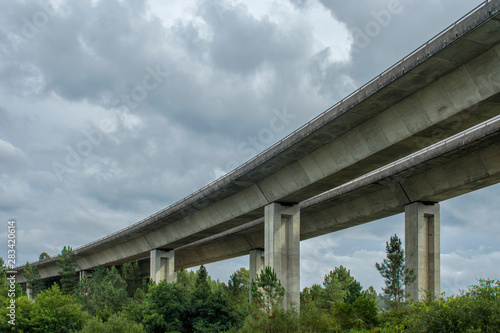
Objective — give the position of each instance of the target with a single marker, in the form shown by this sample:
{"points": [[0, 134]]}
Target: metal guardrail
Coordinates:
{"points": [[293, 133]]}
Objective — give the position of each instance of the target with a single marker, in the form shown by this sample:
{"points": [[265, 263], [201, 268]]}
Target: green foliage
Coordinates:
{"points": [[24, 313], [3, 279], [280, 321], [43, 256], [51, 312], [187, 279], [478, 310], [237, 290], [394, 272], [361, 314], [267, 292], [339, 287], [33, 280], [68, 275], [165, 307], [133, 278], [266, 310], [115, 324], [104, 294], [209, 311], [315, 319], [55, 312]]}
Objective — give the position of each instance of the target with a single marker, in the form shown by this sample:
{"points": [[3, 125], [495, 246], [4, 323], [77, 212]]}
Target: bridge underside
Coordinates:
{"points": [[447, 86], [432, 177]]}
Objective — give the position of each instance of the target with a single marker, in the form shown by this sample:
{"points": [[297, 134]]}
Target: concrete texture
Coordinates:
{"points": [[256, 265], [162, 266], [422, 249], [282, 248], [427, 177]]}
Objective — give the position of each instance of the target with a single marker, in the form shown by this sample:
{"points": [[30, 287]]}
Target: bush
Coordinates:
{"points": [[115, 324], [51, 312], [478, 310]]}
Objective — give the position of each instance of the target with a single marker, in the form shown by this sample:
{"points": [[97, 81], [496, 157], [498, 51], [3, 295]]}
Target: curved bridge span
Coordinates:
{"points": [[266, 206]]}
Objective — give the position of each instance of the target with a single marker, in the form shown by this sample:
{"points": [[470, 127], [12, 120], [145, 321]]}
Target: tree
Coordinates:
{"points": [[104, 294], [133, 278], [3, 279], [237, 288], [115, 323], [339, 287], [50, 312], [394, 272], [33, 280], [266, 310], [43, 256], [267, 291], [68, 270], [187, 279], [209, 311], [165, 307]]}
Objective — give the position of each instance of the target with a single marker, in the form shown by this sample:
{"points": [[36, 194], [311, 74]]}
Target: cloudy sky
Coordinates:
{"points": [[112, 110]]}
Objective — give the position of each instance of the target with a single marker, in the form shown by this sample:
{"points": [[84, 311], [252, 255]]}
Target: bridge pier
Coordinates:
{"points": [[422, 248], [162, 266], [83, 273], [255, 267], [282, 248]]}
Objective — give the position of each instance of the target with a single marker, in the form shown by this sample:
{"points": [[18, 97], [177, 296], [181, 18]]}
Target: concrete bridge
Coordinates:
{"points": [[448, 85]]}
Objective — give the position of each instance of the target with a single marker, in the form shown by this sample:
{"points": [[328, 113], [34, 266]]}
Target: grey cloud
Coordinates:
{"points": [[242, 43], [384, 32]]}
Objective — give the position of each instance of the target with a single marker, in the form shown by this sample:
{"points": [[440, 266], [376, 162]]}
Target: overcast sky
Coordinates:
{"points": [[113, 110]]}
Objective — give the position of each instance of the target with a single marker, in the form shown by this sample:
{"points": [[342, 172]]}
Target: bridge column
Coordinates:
{"points": [[83, 273], [162, 266], [28, 291], [422, 248], [282, 248], [255, 267]]}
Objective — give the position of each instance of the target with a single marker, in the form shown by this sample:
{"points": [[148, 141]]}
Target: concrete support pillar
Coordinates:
{"points": [[422, 248], [282, 248], [162, 266], [28, 291], [256, 266], [81, 274]]}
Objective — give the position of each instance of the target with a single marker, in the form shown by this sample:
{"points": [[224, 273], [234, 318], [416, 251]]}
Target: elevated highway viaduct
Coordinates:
{"points": [[448, 85], [414, 185]]}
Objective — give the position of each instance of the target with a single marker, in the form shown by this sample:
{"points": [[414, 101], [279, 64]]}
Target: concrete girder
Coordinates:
{"points": [[427, 178]]}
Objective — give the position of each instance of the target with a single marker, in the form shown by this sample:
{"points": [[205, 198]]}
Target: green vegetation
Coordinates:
{"points": [[121, 300], [68, 275], [35, 284], [395, 273]]}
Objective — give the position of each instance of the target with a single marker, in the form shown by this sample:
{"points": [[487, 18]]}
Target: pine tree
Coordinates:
{"points": [[104, 294], [131, 274], [43, 256], [394, 272], [33, 280], [237, 287], [339, 286], [267, 292], [68, 270], [209, 311]]}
